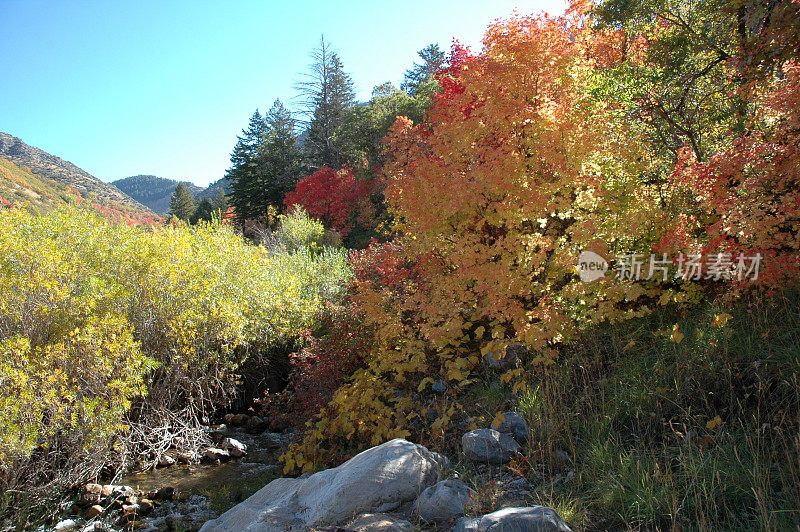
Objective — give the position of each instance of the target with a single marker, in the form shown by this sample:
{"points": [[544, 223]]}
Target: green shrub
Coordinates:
{"points": [[97, 320], [297, 230]]}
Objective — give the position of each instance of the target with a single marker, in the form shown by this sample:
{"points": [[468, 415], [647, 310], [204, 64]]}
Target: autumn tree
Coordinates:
{"points": [[331, 196], [516, 169]]}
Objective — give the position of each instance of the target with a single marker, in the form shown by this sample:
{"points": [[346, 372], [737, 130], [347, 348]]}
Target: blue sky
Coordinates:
{"points": [[163, 87]]}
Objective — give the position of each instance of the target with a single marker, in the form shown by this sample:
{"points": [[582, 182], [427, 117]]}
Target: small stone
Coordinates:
{"points": [[378, 522], [439, 386], [165, 460], [65, 525], [94, 511], [186, 458], [96, 527], [506, 361], [518, 484], [94, 489], [513, 424], [255, 424], [165, 494], [212, 454], [443, 501], [234, 447], [442, 460], [130, 508], [489, 446], [522, 519], [146, 506]]}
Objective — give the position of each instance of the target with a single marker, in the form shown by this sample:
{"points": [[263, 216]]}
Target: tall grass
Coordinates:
{"points": [[696, 435]]}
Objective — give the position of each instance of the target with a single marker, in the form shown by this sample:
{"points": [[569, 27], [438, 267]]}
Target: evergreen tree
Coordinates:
{"points": [[244, 174], [433, 60], [220, 202], [328, 96], [203, 212], [267, 162], [182, 204], [281, 157]]}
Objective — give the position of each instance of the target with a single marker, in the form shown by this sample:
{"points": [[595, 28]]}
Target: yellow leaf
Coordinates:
{"points": [[676, 335], [424, 382], [720, 320], [629, 346], [498, 419], [714, 423], [479, 332]]}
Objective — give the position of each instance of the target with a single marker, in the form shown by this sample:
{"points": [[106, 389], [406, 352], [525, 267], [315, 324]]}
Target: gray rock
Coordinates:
{"points": [[186, 457], [273, 439], [489, 445], [378, 522], [513, 424], [97, 526], [255, 424], [234, 447], [444, 500], [506, 360], [518, 484], [439, 386], [165, 460], [526, 519], [396, 471], [213, 454], [387, 507]]}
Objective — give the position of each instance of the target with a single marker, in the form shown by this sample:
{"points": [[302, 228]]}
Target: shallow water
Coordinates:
{"points": [[190, 479]]}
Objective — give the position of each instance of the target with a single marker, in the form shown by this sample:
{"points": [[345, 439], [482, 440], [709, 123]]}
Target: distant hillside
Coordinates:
{"points": [[19, 186], [214, 188], [51, 167], [152, 191]]}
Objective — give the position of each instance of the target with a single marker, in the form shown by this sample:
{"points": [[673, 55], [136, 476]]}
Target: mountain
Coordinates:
{"points": [[64, 172], [21, 187], [214, 188], [154, 192]]}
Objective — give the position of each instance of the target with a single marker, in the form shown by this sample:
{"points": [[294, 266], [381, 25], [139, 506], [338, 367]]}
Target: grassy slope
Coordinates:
{"points": [[636, 414], [20, 186]]}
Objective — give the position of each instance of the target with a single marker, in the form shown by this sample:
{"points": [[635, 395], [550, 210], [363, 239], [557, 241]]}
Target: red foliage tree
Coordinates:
{"points": [[334, 197]]}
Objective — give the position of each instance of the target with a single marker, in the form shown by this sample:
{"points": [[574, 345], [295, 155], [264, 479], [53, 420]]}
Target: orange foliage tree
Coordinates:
{"points": [[748, 196], [516, 169]]}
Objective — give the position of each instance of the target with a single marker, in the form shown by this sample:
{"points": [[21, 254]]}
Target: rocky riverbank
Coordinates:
{"points": [[396, 486]]}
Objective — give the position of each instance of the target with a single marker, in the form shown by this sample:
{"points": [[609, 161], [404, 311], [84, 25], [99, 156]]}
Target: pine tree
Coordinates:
{"points": [[328, 97], [433, 59], [282, 159], [220, 202], [267, 163], [182, 204], [245, 171]]}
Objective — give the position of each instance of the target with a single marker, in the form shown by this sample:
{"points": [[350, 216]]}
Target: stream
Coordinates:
{"points": [[200, 479]]}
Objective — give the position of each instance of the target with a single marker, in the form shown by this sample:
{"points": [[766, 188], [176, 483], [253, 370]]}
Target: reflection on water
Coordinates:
{"points": [[188, 480]]}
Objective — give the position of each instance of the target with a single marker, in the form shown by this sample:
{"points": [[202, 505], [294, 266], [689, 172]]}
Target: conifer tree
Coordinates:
{"points": [[433, 59], [182, 204], [245, 170], [282, 159], [328, 96]]}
